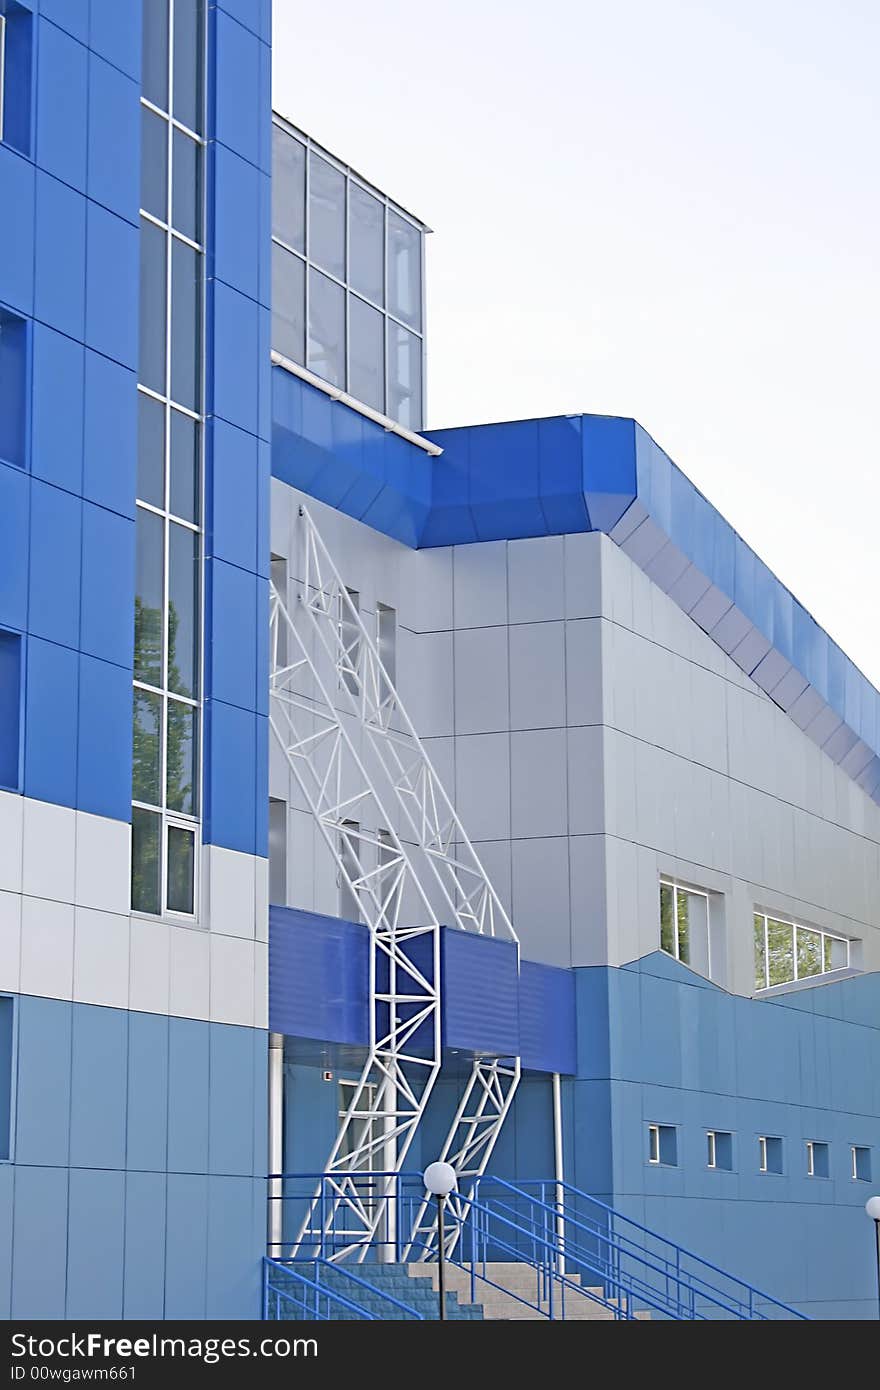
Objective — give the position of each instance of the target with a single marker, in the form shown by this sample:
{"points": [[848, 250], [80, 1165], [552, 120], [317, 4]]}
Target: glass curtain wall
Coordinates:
{"points": [[346, 280]]}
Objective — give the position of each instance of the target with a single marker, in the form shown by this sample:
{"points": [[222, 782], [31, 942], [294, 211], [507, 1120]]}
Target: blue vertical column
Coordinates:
{"points": [[238, 426], [69, 173]]}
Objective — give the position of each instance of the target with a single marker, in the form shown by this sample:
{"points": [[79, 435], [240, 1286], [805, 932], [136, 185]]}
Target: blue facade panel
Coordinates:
{"points": [[318, 977], [57, 416], [480, 993], [107, 1120], [547, 1034]]}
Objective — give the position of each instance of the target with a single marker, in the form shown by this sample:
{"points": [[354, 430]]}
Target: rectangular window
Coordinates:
{"points": [[350, 636], [769, 1153], [817, 1159], [13, 388], [787, 951], [10, 710], [7, 1059], [684, 925], [166, 731], [16, 36], [349, 843], [278, 852], [346, 280], [719, 1150], [386, 641], [278, 576], [861, 1163], [663, 1145]]}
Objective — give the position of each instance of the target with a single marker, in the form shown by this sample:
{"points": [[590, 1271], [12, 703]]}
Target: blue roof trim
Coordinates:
{"points": [[568, 474]]}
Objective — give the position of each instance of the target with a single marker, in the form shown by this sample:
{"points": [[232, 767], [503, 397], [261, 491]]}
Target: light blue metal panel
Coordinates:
{"points": [[98, 1086], [143, 1286], [188, 1096], [230, 1141], [7, 1177], [186, 1244], [39, 1243], [236, 1237], [96, 1241], [147, 1120], [42, 1109]]}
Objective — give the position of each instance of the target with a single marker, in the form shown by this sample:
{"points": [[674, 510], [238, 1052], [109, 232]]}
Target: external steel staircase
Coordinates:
{"points": [[540, 1250]]}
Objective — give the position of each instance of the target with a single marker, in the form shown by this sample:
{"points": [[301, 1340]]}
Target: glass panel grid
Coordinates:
{"points": [[327, 220], [168, 620], [787, 951]]}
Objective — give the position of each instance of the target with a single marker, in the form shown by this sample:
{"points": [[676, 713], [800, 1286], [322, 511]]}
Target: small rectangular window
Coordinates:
{"points": [[16, 81], [181, 870], [278, 576], [663, 1145], [13, 389], [278, 852], [817, 1159], [326, 216], [349, 843], [326, 337], [861, 1163], [350, 638], [684, 925], [7, 1048], [719, 1149], [769, 1153], [386, 633], [10, 710]]}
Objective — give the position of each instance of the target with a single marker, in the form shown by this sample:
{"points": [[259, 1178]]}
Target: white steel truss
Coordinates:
{"points": [[481, 1113], [427, 870]]}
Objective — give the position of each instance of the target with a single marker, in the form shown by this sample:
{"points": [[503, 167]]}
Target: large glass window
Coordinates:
{"points": [[168, 615], [346, 280], [786, 951]]}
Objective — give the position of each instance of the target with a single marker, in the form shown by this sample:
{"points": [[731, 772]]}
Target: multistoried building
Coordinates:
{"points": [[566, 808]]}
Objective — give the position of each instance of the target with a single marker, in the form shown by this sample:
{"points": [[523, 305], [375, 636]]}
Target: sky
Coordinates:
{"points": [[668, 209]]}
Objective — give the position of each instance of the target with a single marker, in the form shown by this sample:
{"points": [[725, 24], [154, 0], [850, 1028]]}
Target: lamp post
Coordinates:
{"points": [[439, 1182], [872, 1207]]}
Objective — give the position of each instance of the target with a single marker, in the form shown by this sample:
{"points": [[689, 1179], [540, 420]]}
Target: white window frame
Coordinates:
{"points": [[677, 887], [710, 1145], [855, 1149], [762, 1154], [167, 817], [654, 1145], [795, 927], [811, 1159]]}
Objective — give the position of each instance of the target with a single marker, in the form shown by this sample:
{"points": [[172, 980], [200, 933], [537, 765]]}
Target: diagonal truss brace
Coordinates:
{"points": [[481, 1113], [432, 858], [404, 1049]]}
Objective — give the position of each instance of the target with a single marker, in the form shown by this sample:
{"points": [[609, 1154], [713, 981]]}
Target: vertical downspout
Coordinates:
{"points": [[559, 1170], [275, 1222]]}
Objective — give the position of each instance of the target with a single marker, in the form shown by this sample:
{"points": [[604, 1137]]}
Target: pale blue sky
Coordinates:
{"points": [[669, 210]]}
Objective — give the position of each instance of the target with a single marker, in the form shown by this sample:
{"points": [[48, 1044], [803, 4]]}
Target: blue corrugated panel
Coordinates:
{"points": [[480, 993], [547, 1018], [318, 977]]}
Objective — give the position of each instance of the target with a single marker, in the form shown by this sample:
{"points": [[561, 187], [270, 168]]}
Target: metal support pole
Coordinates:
{"points": [[441, 1257], [559, 1170], [877, 1234], [276, 1144]]}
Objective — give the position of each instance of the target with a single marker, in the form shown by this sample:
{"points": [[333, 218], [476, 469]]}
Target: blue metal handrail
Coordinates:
{"points": [[523, 1221], [291, 1269], [745, 1306], [271, 1290]]}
